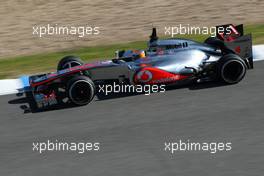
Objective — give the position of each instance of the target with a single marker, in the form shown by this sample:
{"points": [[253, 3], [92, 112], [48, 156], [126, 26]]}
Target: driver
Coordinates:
{"points": [[130, 55], [139, 54]]}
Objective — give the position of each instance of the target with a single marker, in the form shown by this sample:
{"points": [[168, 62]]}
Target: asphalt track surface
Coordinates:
{"points": [[132, 131]]}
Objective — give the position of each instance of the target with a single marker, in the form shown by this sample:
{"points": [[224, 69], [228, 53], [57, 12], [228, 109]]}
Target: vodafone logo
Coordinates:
{"points": [[144, 76]]}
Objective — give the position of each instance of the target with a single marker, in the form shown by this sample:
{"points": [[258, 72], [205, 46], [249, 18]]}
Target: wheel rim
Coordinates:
{"points": [[81, 92]]}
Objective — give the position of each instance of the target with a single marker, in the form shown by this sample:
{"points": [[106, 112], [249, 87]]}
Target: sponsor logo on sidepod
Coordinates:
{"points": [[144, 76]]}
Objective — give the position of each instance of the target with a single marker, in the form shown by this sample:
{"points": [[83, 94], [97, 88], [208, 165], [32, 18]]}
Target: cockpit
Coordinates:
{"points": [[129, 55]]}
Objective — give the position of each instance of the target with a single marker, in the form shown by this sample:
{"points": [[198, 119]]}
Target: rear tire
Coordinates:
{"points": [[81, 90], [68, 62], [231, 69]]}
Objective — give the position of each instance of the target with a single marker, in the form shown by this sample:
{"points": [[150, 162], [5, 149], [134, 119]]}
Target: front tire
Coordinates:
{"points": [[81, 90], [68, 62]]}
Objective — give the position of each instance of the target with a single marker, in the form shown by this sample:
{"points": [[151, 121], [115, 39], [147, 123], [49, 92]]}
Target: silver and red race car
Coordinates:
{"points": [[224, 58]]}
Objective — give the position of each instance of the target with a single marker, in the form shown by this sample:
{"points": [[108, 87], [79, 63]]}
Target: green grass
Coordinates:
{"points": [[15, 66]]}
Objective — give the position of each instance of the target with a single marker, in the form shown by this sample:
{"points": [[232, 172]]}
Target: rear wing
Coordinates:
{"points": [[234, 39]]}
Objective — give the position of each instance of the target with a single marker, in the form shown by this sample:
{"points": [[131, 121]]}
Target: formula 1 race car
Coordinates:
{"points": [[225, 58]]}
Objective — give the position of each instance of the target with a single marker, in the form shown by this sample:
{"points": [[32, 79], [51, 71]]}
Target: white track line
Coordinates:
{"points": [[11, 86], [258, 52]]}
